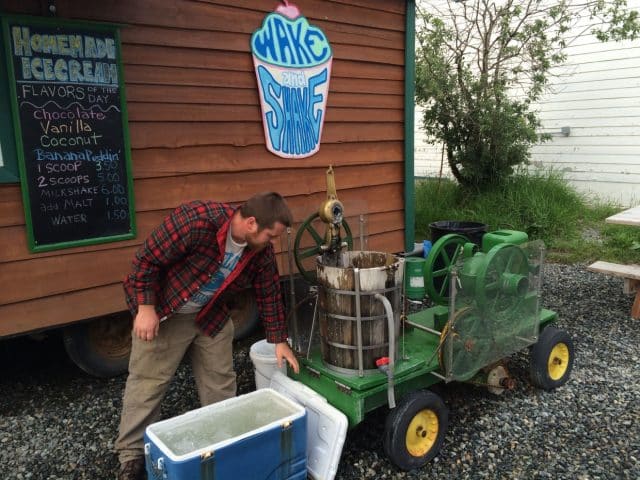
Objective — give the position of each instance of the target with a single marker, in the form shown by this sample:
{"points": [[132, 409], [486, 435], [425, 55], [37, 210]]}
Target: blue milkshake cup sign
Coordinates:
{"points": [[292, 60]]}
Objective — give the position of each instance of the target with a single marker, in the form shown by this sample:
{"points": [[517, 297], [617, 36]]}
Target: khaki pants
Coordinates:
{"points": [[152, 366]]}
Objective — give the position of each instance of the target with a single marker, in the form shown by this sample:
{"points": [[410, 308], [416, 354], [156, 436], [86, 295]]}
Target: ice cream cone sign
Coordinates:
{"points": [[292, 61]]}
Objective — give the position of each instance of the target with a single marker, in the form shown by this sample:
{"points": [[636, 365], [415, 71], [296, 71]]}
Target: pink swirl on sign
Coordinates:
{"points": [[289, 11]]}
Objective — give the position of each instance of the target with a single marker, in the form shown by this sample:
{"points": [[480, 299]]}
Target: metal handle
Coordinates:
{"points": [[356, 284], [158, 471], [331, 184], [292, 295]]}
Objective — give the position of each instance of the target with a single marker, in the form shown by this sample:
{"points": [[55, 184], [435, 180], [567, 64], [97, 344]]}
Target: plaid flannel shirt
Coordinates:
{"points": [[182, 254]]}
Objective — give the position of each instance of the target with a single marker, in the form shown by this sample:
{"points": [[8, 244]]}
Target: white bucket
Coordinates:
{"points": [[263, 356]]}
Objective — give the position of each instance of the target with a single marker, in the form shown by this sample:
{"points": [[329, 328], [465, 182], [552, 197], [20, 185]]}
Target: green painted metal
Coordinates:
{"points": [[414, 277], [301, 254], [547, 317], [355, 396], [409, 107], [8, 155], [491, 239], [504, 259], [417, 359], [441, 259]]}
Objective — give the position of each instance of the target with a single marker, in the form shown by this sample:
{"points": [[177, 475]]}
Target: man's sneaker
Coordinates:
{"points": [[132, 470]]}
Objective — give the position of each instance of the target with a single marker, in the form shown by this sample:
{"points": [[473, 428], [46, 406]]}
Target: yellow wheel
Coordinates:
{"points": [[422, 433], [415, 429], [558, 361], [551, 359]]}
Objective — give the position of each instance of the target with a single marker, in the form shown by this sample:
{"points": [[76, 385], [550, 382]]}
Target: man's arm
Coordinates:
{"points": [[169, 242], [269, 297], [165, 245], [271, 308]]}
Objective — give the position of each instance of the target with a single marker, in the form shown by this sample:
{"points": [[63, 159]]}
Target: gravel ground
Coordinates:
{"points": [[58, 423]]}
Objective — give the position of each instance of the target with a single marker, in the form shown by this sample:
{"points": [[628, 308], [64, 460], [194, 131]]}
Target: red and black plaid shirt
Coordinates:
{"points": [[184, 252]]}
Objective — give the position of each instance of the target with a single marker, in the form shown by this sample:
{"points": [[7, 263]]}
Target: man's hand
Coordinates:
{"points": [[146, 324], [284, 351]]}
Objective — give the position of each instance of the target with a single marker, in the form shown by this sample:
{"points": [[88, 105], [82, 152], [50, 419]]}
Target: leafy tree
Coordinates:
{"points": [[481, 64]]}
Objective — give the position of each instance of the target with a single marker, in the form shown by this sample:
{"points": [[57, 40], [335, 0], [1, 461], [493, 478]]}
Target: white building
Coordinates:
{"points": [[593, 112]]}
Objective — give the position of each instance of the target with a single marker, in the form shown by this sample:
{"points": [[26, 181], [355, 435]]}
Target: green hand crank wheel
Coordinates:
{"points": [[301, 254], [441, 259]]}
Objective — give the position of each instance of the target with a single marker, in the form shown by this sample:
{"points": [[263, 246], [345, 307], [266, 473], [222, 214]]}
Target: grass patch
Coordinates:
{"points": [[542, 204]]}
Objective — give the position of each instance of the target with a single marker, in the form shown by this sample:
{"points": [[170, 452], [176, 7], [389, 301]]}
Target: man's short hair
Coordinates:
{"points": [[267, 208]]}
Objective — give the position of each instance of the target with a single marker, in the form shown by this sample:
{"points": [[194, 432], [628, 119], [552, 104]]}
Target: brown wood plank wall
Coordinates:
{"points": [[196, 133]]}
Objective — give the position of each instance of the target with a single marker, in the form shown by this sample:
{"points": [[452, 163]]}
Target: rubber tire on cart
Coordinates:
{"points": [[415, 429], [100, 347], [551, 359]]}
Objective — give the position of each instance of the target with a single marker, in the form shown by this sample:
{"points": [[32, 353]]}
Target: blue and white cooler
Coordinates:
{"points": [[260, 435]]}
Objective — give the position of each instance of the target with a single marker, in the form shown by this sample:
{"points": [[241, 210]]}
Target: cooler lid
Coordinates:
{"points": [[326, 426]]}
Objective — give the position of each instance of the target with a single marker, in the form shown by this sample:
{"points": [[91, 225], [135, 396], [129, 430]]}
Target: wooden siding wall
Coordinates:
{"points": [[196, 133]]}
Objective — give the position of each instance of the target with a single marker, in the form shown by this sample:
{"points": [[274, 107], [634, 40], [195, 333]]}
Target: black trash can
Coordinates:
{"points": [[472, 230]]}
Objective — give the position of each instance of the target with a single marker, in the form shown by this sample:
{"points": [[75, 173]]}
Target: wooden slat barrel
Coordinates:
{"points": [[338, 315]]}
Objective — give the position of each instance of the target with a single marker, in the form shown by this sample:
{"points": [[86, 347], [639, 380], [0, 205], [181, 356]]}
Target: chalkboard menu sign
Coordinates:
{"points": [[70, 120]]}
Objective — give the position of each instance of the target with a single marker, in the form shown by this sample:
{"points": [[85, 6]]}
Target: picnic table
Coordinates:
{"points": [[630, 273], [630, 216]]}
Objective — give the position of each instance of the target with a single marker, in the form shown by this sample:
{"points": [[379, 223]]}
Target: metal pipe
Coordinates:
{"points": [[453, 279], [368, 292], [292, 293], [423, 328], [526, 340], [392, 348], [361, 232], [313, 322], [356, 278], [403, 314]]}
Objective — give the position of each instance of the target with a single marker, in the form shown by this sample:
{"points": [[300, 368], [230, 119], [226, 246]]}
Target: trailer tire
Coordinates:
{"points": [[100, 347], [551, 359], [415, 429]]}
